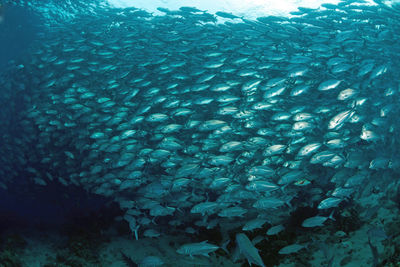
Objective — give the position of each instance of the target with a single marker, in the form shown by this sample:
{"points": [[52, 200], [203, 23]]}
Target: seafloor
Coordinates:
{"points": [[98, 239]]}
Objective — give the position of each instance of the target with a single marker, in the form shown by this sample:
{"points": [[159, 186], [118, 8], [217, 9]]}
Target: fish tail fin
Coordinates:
{"points": [[136, 232], [224, 246], [331, 216]]}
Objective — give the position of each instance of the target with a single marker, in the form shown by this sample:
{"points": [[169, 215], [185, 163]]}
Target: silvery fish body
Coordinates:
{"points": [[248, 250], [195, 249], [291, 249]]}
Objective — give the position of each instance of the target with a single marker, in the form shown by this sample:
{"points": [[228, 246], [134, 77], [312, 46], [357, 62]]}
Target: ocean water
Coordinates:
{"points": [[192, 136], [18, 31]]}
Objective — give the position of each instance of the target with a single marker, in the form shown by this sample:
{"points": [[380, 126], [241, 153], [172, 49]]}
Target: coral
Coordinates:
{"points": [[10, 248], [13, 241], [391, 254], [9, 259], [85, 236]]}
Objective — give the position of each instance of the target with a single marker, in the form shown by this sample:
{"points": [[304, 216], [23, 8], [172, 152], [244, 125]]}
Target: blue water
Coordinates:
{"points": [[18, 31], [34, 206], [50, 206]]}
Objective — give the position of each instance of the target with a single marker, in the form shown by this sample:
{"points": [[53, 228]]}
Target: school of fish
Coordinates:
{"points": [[188, 123]]}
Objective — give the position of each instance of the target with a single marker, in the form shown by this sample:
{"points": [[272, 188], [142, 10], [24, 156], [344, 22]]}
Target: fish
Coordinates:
{"points": [[254, 224], [329, 85], [338, 120], [194, 249], [290, 177], [329, 202], [290, 249], [261, 186], [274, 230], [189, 9], [248, 250], [316, 221], [308, 150], [347, 94], [274, 150], [151, 233], [226, 15], [232, 212], [205, 208], [269, 203]]}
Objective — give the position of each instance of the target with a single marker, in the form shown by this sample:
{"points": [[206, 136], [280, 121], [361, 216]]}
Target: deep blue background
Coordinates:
{"points": [[46, 206], [18, 30], [26, 205]]}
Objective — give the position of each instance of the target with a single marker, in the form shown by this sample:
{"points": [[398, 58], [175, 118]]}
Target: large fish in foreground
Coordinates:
{"points": [[248, 250]]}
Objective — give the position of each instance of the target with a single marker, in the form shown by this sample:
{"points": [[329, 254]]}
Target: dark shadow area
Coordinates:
{"points": [[73, 223], [49, 207]]}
